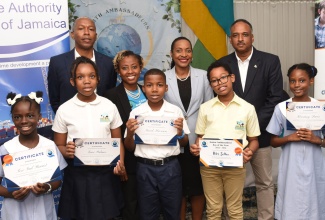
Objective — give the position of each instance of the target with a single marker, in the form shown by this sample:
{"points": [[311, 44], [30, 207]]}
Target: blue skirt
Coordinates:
{"points": [[90, 192]]}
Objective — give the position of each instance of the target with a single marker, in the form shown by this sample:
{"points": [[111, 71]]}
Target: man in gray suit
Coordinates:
{"points": [[84, 34], [258, 81]]}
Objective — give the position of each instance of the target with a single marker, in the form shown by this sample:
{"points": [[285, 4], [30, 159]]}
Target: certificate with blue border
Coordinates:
{"points": [[26, 168], [156, 131], [221, 153], [96, 151], [310, 115]]}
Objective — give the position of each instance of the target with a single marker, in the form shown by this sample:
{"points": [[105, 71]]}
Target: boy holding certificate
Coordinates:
{"points": [[158, 172], [225, 117]]}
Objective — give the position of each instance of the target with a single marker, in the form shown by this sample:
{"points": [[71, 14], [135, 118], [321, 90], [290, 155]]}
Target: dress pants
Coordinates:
{"points": [[261, 163], [218, 182], [159, 187]]}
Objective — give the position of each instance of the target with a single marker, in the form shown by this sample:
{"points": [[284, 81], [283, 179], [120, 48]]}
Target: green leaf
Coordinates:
{"points": [[177, 9]]}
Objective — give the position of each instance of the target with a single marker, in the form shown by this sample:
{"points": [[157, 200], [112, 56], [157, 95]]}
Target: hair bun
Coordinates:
{"points": [[314, 71]]}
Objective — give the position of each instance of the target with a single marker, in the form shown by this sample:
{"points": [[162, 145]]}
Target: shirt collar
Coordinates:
{"points": [[235, 99], [248, 58], [76, 55], [81, 103], [317, 23], [146, 108]]}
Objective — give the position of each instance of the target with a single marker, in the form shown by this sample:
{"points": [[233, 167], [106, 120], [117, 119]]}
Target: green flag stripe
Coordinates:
{"points": [[201, 56]]}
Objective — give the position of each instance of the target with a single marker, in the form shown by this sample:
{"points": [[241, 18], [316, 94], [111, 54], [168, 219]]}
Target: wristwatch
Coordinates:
{"points": [[50, 188]]}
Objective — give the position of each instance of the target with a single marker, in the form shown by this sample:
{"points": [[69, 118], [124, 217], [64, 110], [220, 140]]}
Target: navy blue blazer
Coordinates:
{"points": [[60, 89], [263, 88]]}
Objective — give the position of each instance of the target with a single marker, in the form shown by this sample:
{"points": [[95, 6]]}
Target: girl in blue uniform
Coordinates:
{"points": [[301, 175]]}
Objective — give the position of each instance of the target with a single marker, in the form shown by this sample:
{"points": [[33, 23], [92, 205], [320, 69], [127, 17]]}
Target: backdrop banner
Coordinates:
{"points": [[147, 27], [32, 31]]}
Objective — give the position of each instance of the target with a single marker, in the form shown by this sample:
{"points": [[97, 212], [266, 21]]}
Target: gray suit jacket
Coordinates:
{"points": [[201, 92]]}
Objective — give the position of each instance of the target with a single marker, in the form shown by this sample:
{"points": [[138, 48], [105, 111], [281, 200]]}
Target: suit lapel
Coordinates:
{"points": [[123, 98], [194, 91], [70, 57], [252, 70], [173, 88], [98, 59], [238, 88]]}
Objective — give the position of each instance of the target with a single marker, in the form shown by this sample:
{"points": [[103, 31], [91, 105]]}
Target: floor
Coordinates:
{"points": [[249, 206]]}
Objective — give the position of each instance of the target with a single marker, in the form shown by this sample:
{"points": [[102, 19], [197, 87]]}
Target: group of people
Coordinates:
{"points": [[245, 86]]}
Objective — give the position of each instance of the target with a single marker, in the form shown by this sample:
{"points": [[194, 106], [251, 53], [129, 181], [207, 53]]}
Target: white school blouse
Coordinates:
{"points": [[33, 206], [87, 119]]}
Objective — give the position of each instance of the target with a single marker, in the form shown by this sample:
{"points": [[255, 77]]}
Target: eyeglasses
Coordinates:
{"points": [[222, 80]]}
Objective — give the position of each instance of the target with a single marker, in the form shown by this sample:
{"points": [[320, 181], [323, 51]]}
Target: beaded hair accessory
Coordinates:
{"points": [[32, 95], [13, 101]]}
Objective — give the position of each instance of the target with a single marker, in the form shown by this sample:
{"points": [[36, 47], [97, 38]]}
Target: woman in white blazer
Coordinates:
{"points": [[188, 88]]}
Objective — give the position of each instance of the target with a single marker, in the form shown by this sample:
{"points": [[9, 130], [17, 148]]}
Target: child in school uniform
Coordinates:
{"points": [[301, 179], [88, 192], [225, 117], [31, 202], [159, 176]]}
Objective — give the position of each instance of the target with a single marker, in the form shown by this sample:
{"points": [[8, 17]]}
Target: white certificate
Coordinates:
{"points": [[26, 168], [96, 151], [310, 115], [156, 130], [221, 152]]}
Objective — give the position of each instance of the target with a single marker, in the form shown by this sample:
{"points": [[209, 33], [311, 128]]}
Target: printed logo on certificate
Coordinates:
{"points": [[156, 130], [310, 115], [96, 151], [26, 168], [221, 153]]}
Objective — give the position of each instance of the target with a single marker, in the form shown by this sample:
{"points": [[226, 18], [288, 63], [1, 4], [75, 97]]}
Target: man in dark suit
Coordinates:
{"points": [[258, 81], [84, 34]]}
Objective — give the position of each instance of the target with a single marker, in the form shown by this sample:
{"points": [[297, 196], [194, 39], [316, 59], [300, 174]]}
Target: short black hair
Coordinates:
{"points": [[217, 64], [77, 62], [321, 5], [172, 64], [242, 20], [78, 19], [126, 53], [154, 71], [311, 70]]}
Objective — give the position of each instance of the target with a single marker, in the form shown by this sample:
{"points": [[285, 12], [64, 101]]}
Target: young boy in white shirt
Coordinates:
{"points": [[158, 174]]}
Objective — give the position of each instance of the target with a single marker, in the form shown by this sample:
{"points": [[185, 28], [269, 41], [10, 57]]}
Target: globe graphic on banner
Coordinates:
{"points": [[117, 37]]}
